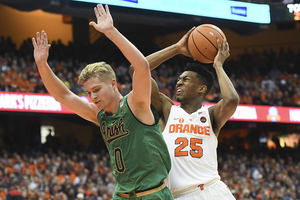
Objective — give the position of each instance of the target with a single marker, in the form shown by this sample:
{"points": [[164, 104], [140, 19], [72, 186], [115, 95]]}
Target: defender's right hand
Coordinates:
{"points": [[41, 47]]}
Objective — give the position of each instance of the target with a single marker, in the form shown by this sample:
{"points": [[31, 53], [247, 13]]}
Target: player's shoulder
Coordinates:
{"points": [[166, 100], [211, 110]]}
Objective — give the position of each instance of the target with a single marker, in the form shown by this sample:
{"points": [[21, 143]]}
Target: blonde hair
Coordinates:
{"points": [[98, 69]]}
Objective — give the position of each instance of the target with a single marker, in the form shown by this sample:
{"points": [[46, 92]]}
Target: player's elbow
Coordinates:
{"points": [[145, 64], [141, 67], [234, 100]]}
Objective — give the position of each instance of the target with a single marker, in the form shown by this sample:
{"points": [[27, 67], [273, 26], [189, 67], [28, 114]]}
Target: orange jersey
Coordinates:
{"points": [[192, 146]]}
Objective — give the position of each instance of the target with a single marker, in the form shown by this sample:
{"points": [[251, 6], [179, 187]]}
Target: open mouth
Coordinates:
{"points": [[179, 91], [97, 102]]}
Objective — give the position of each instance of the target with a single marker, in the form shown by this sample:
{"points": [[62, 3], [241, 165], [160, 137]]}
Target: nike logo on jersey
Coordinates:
{"points": [[181, 120], [189, 128]]}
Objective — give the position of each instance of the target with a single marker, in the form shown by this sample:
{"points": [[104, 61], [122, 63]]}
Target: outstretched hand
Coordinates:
{"points": [[41, 47], [223, 53], [182, 44], [104, 19]]}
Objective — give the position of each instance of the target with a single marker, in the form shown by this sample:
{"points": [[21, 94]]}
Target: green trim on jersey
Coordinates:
{"points": [[139, 155]]}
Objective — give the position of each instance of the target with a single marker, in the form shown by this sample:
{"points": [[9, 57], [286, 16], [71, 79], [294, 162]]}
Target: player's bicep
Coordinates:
{"points": [[222, 112], [141, 88], [167, 103], [156, 100]]}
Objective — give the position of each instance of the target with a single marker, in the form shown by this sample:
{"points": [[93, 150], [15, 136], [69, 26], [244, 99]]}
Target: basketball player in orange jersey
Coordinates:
{"points": [[191, 130]]}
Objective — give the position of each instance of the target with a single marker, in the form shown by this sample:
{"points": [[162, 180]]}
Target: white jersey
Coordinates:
{"points": [[192, 146]]}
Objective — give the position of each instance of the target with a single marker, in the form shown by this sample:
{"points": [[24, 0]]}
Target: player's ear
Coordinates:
{"points": [[202, 89], [113, 83]]}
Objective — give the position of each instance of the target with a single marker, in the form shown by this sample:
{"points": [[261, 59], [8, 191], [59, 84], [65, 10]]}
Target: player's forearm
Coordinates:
{"points": [[53, 84], [133, 55], [229, 94], [159, 57]]}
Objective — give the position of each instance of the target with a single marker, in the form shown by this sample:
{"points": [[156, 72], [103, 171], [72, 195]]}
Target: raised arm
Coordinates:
{"points": [[105, 25], [139, 98], [54, 85], [159, 100], [230, 98], [165, 54]]}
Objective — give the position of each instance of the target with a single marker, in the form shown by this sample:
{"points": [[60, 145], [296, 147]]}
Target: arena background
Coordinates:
{"points": [[149, 31]]}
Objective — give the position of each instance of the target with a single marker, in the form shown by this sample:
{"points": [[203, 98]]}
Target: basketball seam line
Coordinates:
{"points": [[208, 40], [197, 46], [215, 30]]}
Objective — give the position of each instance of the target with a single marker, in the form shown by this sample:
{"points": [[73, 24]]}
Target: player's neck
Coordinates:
{"points": [[191, 107], [114, 105]]}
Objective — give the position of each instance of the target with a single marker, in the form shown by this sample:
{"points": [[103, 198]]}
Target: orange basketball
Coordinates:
{"points": [[202, 42]]}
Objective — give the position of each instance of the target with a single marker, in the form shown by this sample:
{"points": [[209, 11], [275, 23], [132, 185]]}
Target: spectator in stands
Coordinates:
{"points": [[40, 88], [296, 97], [14, 83], [14, 193], [80, 196], [24, 84], [3, 87], [246, 98]]}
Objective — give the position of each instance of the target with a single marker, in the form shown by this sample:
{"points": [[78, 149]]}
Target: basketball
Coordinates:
{"points": [[202, 42]]}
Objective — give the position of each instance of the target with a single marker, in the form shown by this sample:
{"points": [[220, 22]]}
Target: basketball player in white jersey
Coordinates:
{"points": [[191, 130]]}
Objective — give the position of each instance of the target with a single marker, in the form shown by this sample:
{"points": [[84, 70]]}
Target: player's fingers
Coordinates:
{"points": [[190, 31], [92, 23], [219, 44], [48, 46], [34, 42], [43, 37], [224, 44], [193, 28], [38, 39], [100, 9], [96, 12], [46, 39], [107, 9]]}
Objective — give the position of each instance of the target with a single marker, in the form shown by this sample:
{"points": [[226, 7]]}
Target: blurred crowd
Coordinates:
{"points": [[268, 175], [265, 78], [48, 175], [58, 176]]}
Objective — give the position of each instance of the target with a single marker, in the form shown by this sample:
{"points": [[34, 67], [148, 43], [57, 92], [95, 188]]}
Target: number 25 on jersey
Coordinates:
{"points": [[196, 150]]}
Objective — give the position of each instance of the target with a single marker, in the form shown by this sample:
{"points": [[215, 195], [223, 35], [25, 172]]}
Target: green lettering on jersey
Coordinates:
{"points": [[114, 132]]}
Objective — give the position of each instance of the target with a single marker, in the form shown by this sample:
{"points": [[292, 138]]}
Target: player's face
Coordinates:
{"points": [[187, 86], [100, 92]]}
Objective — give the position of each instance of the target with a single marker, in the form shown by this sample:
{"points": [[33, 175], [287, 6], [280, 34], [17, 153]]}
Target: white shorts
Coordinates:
{"points": [[217, 191]]}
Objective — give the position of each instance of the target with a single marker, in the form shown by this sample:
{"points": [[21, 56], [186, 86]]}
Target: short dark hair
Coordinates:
{"points": [[204, 75]]}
